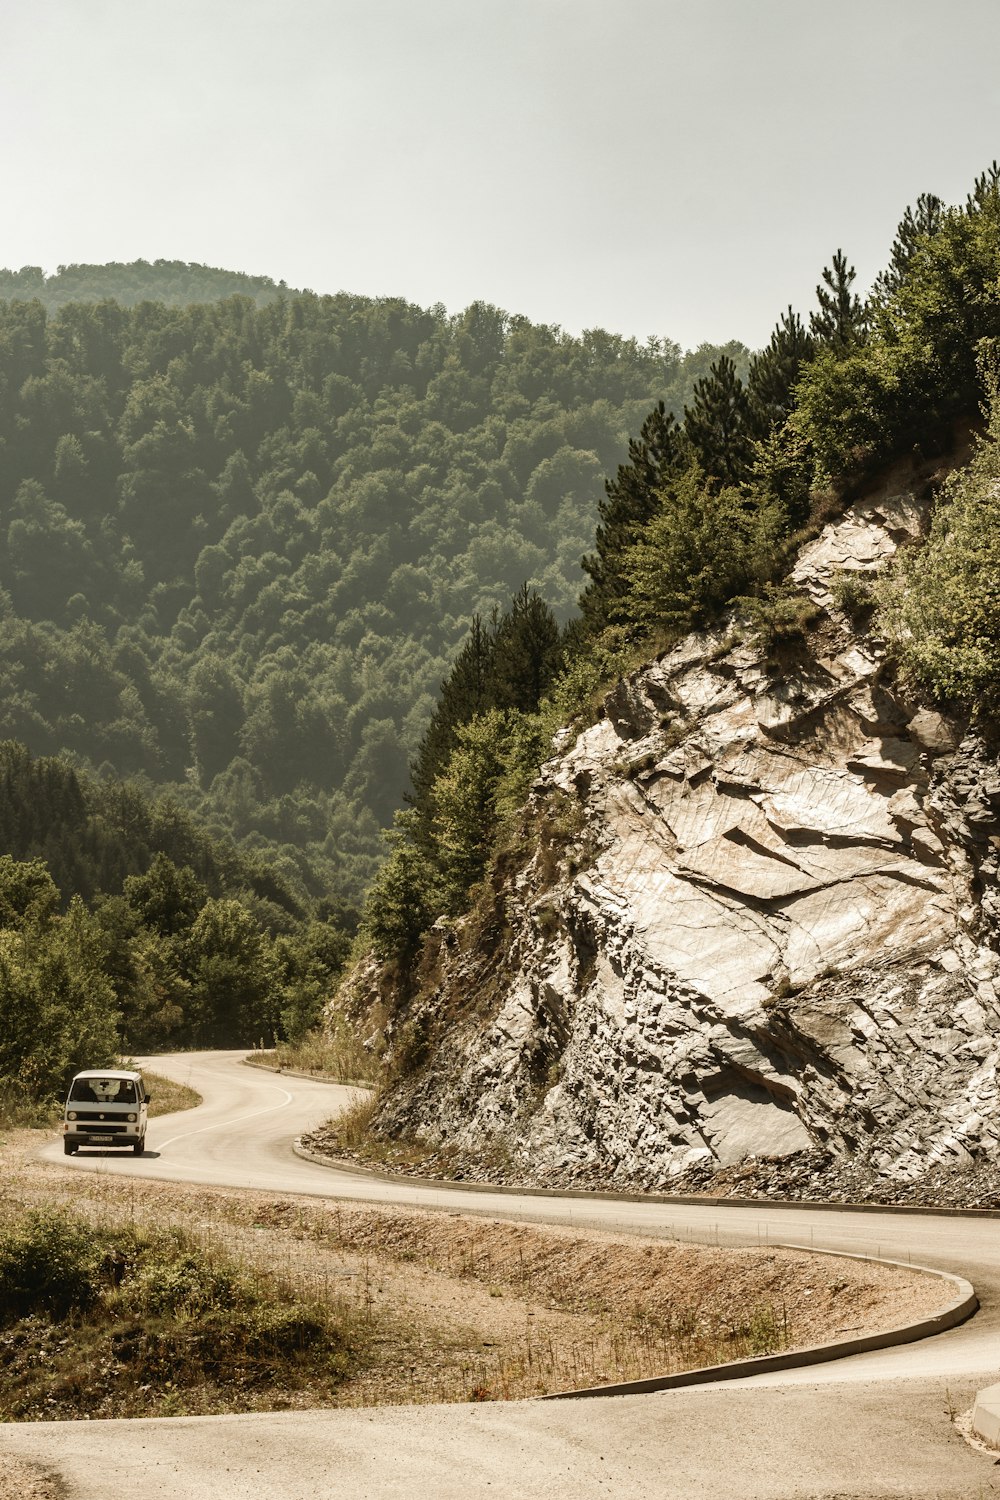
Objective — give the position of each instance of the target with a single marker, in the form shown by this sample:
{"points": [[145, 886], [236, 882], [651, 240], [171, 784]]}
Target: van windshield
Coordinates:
{"points": [[102, 1091]]}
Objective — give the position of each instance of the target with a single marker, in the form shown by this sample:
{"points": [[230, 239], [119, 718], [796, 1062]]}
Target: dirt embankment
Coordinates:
{"points": [[450, 1307]]}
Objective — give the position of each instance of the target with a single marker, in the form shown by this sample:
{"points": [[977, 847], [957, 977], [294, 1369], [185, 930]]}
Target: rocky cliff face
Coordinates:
{"points": [[770, 932]]}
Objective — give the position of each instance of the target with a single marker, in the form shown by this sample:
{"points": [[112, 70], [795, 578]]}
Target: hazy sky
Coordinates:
{"points": [[670, 167]]}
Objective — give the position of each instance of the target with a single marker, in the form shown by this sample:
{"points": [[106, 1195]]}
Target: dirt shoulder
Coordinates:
{"points": [[452, 1307]]}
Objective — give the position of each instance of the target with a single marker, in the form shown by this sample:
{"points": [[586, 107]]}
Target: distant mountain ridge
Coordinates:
{"points": [[178, 283]]}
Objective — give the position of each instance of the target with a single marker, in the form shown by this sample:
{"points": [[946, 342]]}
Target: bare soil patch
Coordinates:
{"points": [[24, 1481], [451, 1307]]}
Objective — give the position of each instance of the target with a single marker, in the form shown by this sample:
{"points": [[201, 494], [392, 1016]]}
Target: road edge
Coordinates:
{"points": [[684, 1200], [337, 1083]]}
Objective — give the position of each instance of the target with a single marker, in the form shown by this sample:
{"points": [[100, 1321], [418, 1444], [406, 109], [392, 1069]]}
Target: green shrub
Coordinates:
{"points": [[854, 594], [79, 1300], [780, 617], [168, 1277], [703, 547], [48, 1264], [940, 610], [592, 671], [845, 415]]}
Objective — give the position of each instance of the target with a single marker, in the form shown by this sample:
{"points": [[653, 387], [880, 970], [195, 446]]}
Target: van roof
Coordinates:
{"points": [[107, 1073]]}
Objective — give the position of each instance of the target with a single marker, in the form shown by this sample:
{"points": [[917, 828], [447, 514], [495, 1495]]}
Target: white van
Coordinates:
{"points": [[105, 1108]]}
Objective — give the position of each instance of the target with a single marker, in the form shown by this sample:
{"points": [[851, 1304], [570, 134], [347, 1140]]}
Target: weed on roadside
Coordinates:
{"points": [[337, 1053]]}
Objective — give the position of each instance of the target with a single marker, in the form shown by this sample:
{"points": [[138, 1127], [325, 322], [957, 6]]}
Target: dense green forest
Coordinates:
{"points": [[245, 542], [708, 510], [124, 926]]}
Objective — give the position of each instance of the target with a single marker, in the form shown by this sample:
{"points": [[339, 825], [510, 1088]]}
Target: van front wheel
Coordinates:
{"points": [[139, 1146], [69, 1147]]}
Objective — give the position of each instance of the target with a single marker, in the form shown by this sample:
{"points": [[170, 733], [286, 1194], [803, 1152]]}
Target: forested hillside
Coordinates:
{"points": [[124, 926], [243, 543]]}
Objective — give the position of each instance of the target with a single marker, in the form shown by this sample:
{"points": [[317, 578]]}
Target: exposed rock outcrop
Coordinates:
{"points": [[771, 929]]}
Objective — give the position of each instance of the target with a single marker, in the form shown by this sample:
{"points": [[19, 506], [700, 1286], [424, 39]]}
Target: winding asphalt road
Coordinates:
{"points": [[865, 1428]]}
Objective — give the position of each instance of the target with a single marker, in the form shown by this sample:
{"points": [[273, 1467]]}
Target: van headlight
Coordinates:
{"points": [[131, 1118], [71, 1114]]}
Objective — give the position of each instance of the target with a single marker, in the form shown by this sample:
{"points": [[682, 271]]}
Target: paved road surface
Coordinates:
{"points": [[867, 1428]]}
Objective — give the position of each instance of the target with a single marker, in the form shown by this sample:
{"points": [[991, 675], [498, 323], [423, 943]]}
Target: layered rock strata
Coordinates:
{"points": [[773, 931]]}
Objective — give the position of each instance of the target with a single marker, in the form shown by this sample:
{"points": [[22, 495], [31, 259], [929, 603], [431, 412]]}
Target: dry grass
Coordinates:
{"points": [[337, 1054], [167, 1096], [18, 1112], [446, 1307], [348, 1136], [354, 1120]]}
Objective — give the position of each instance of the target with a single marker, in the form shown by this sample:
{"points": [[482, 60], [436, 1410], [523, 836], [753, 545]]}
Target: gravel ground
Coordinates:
{"points": [[818, 1176], [22, 1481]]}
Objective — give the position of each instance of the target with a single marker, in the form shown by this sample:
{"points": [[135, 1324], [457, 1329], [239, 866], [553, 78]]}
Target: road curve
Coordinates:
{"points": [[865, 1428]]}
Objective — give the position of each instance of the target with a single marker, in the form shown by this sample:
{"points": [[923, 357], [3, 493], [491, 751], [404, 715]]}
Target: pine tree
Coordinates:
{"points": [[915, 227], [718, 426], [466, 691], [508, 662], [841, 321], [631, 498], [465, 811], [774, 372], [985, 188], [527, 653], [399, 907], [706, 545]]}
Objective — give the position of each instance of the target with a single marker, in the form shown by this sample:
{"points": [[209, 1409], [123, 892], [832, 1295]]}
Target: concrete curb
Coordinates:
{"points": [[986, 1416], [963, 1305], [688, 1200], [337, 1083]]}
